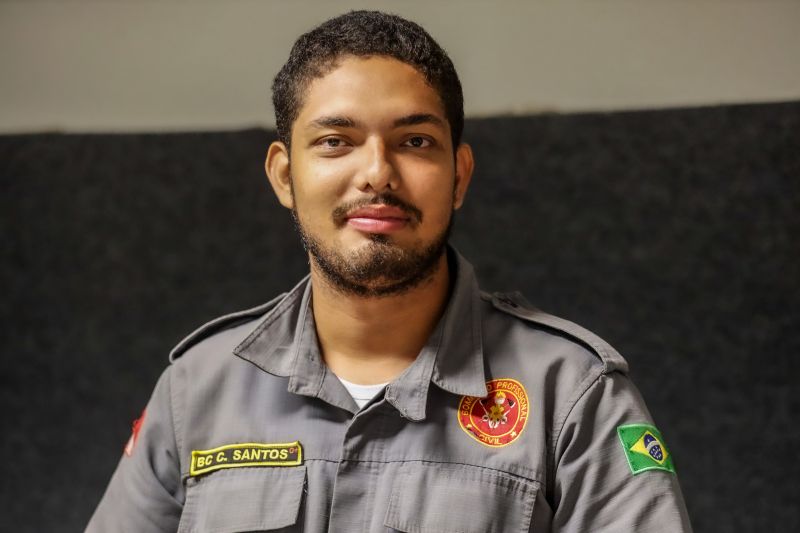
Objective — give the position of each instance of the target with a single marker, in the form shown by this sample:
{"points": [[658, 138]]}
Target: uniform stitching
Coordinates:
{"points": [[592, 381], [208, 327], [277, 312], [607, 354], [580, 391], [535, 476], [175, 420], [477, 337], [512, 484]]}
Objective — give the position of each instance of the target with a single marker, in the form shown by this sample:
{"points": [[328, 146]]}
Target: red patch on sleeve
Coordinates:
{"points": [[137, 425]]}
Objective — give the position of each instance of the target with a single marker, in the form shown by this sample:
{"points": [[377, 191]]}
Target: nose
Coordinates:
{"points": [[378, 172]]}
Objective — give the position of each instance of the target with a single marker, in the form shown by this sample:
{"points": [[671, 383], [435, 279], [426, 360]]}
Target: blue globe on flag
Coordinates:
{"points": [[653, 447]]}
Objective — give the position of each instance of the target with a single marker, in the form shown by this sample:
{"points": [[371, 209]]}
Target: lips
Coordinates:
{"points": [[378, 219]]}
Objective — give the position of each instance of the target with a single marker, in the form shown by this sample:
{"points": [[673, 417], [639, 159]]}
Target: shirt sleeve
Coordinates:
{"points": [[603, 483], [145, 492]]}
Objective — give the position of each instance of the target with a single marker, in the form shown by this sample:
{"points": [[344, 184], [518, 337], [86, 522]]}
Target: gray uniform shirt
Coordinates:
{"points": [[508, 420]]}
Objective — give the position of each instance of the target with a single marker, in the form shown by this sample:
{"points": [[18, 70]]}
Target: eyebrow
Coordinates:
{"points": [[333, 122], [419, 118], [340, 121]]}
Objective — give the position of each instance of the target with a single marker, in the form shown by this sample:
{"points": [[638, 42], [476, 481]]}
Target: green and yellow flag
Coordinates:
{"points": [[644, 448]]}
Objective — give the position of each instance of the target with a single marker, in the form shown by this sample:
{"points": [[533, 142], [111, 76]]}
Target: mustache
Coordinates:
{"points": [[413, 212]]}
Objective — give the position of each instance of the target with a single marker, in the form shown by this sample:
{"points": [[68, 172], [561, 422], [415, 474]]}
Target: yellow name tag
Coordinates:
{"points": [[246, 454]]}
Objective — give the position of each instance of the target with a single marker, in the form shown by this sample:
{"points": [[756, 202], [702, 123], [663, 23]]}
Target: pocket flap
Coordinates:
{"points": [[244, 499], [435, 498]]}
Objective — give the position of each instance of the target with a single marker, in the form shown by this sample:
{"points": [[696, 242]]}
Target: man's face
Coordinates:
{"points": [[373, 180]]}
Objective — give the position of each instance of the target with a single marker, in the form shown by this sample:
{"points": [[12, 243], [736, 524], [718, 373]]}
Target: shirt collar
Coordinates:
{"points": [[285, 344]]}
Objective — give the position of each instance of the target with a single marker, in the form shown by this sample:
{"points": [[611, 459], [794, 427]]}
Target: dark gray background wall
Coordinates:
{"points": [[671, 233]]}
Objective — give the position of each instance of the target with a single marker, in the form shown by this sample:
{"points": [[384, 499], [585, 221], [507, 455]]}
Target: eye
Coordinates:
{"points": [[417, 142], [331, 142], [332, 145]]}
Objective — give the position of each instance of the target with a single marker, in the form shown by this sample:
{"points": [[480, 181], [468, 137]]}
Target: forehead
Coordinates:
{"points": [[371, 90]]}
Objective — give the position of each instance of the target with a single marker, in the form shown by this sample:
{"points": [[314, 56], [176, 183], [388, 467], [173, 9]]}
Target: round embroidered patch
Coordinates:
{"points": [[499, 418]]}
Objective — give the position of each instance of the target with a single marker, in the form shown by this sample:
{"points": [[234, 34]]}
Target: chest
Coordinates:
{"points": [[466, 467]]}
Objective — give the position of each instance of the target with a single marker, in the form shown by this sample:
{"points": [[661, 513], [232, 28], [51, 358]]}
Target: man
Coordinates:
{"points": [[386, 391]]}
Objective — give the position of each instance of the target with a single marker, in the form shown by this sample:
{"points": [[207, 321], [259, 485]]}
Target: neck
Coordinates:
{"points": [[368, 340]]}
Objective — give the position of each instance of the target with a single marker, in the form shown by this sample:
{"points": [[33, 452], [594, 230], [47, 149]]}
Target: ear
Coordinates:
{"points": [[279, 173], [465, 164]]}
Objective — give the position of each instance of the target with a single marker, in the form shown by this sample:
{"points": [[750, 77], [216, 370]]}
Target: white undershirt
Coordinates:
{"points": [[362, 393]]}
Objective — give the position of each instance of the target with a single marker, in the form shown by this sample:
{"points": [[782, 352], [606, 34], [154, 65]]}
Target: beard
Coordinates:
{"points": [[381, 267]]}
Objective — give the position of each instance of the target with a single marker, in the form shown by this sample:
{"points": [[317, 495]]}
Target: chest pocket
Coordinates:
{"points": [[243, 499], [433, 498]]}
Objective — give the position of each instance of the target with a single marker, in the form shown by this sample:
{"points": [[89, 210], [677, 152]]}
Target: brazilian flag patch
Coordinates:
{"points": [[644, 448]]}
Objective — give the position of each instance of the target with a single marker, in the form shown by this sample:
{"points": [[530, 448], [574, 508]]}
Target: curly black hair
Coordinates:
{"points": [[365, 33]]}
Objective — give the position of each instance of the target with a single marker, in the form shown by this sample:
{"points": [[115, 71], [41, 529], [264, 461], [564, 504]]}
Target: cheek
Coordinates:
{"points": [[315, 191], [312, 207], [322, 182], [433, 194]]}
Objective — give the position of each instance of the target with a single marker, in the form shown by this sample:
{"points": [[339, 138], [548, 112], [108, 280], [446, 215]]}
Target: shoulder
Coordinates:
{"points": [[562, 334], [230, 324]]}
